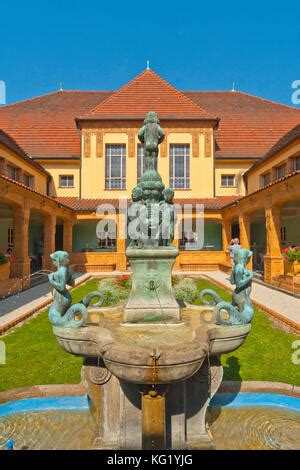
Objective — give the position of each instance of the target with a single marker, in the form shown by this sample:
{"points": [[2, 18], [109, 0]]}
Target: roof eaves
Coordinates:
{"points": [[34, 191]]}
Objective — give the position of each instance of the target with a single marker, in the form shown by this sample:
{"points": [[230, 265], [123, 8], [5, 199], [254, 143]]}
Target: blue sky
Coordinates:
{"points": [[193, 44]]}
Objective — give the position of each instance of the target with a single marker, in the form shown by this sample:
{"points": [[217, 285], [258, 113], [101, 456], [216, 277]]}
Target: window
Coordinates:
{"points": [[106, 238], [180, 166], [265, 179], [115, 167], [10, 236], [283, 235], [280, 172], [296, 162], [66, 181], [227, 181], [12, 172], [28, 180], [140, 161]]}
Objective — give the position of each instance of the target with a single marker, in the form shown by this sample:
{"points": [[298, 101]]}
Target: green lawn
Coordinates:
{"points": [[34, 356]]}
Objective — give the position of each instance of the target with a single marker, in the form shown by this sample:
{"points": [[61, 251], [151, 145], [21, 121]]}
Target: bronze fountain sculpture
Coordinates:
{"points": [[151, 367]]}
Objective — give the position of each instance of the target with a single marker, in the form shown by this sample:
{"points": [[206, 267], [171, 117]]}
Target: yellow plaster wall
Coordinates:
{"points": [[93, 165], [93, 168], [40, 179], [254, 177], [236, 168], [57, 168]]}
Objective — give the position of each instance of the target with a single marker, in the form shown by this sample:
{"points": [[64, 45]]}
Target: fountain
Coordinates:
{"points": [[150, 367]]}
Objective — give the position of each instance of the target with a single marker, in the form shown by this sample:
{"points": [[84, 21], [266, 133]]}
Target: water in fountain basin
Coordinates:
{"points": [[233, 428]]}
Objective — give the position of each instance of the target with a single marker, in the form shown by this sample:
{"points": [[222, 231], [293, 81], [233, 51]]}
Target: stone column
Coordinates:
{"points": [[244, 224], [68, 236], [20, 267], [273, 261], [226, 237], [49, 239], [226, 233]]}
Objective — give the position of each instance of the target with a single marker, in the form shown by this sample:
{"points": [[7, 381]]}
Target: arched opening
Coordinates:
{"points": [[89, 237], [36, 240], [7, 227], [290, 223], [200, 235], [59, 234], [258, 239]]}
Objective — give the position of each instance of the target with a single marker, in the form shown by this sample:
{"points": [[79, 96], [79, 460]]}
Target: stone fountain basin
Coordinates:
{"points": [[151, 353]]}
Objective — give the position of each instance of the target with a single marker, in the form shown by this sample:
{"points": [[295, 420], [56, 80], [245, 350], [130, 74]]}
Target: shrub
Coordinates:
{"points": [[186, 290], [3, 258], [112, 291]]}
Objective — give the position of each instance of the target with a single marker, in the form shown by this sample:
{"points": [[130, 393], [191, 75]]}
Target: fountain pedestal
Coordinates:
{"points": [[151, 298], [124, 365], [129, 417]]}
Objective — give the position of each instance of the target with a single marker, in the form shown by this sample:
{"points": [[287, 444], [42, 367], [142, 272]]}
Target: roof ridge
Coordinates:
{"points": [[179, 91], [265, 100], [30, 99], [53, 93], [125, 87]]}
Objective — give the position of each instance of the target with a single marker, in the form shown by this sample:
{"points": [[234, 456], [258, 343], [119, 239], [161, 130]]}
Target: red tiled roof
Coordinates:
{"points": [[249, 126], [45, 126], [148, 92], [79, 204], [287, 139], [11, 144]]}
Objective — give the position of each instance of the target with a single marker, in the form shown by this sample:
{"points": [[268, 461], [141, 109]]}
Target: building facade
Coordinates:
{"points": [[64, 154]]}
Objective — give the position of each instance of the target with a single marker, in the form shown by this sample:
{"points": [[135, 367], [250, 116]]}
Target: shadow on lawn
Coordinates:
{"points": [[232, 369], [231, 373]]}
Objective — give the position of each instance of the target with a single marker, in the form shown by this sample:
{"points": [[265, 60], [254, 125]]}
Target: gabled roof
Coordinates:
{"points": [[81, 204], [45, 126], [286, 140], [12, 145], [249, 126], [148, 92]]}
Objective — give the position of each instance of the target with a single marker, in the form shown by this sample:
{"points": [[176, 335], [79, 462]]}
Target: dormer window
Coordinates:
{"points": [[13, 172], [28, 180], [280, 172]]}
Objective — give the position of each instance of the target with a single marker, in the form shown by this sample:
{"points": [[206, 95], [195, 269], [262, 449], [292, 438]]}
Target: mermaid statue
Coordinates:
{"points": [[240, 311], [61, 312]]}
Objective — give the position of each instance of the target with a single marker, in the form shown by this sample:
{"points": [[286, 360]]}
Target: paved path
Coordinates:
{"points": [[30, 299], [284, 304]]}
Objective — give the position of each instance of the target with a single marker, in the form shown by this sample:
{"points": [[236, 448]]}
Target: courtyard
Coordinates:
{"points": [[35, 342]]}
